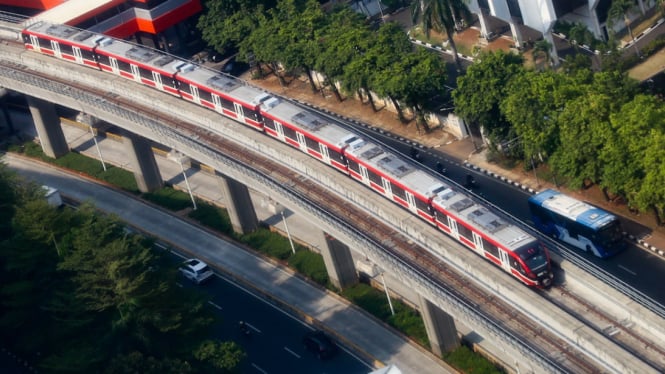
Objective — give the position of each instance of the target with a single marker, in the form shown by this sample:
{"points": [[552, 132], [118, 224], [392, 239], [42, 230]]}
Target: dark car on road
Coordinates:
{"points": [[320, 344]]}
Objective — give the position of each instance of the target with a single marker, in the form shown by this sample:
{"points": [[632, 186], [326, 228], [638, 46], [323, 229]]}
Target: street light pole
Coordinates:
{"points": [[99, 151], [189, 189], [390, 303], [288, 234]]}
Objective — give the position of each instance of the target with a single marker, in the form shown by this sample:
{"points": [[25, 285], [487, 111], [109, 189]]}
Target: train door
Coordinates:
{"points": [[411, 200], [386, 188], [453, 227], [195, 94], [136, 72], [55, 46], [478, 241], [157, 78], [279, 130], [217, 102], [35, 43], [363, 174], [78, 57], [505, 260], [114, 65], [324, 153], [302, 141], [239, 112]]}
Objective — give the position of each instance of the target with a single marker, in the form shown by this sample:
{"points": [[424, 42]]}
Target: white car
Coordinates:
{"points": [[195, 270]]}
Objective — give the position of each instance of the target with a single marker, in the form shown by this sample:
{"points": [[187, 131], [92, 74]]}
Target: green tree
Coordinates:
{"points": [[441, 16], [225, 23], [390, 46], [619, 10], [481, 89], [220, 355], [651, 193], [345, 38]]}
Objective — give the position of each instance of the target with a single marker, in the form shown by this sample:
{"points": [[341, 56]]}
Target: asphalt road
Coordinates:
{"points": [[346, 324]]}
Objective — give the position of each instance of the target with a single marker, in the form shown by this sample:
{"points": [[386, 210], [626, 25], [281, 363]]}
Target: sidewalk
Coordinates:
{"points": [[642, 227]]}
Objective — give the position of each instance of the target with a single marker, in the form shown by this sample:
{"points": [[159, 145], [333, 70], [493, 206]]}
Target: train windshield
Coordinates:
{"points": [[533, 256]]}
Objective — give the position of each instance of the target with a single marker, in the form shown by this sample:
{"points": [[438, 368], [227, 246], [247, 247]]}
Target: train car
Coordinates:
{"points": [[222, 93], [63, 42], [385, 172], [306, 130], [392, 176], [141, 64], [577, 223], [492, 237]]}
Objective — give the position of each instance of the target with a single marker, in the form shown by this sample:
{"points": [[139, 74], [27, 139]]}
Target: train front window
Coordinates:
{"points": [[533, 256]]}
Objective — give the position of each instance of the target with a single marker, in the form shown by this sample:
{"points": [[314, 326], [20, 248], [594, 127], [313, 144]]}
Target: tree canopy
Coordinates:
{"points": [[85, 294]]}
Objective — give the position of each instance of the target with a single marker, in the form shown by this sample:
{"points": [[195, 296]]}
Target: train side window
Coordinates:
{"points": [[374, 177], [353, 165], [204, 94], [250, 113], [464, 231], [87, 55], [334, 155], [145, 73], [44, 43], [124, 66], [104, 60], [269, 123], [226, 103], [422, 205], [491, 248], [289, 133], [397, 191], [312, 144], [66, 49]]}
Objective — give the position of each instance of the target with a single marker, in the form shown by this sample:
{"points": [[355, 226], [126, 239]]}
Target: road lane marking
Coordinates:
{"points": [[628, 270], [215, 305], [258, 368], [291, 352], [253, 328]]}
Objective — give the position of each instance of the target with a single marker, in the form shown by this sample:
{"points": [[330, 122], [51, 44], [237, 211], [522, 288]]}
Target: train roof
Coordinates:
{"points": [[223, 84], [478, 216], [394, 167], [151, 58], [310, 122], [64, 32], [573, 209]]}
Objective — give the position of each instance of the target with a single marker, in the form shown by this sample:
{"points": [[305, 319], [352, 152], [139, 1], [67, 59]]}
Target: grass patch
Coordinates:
{"points": [[269, 243], [213, 217], [311, 264], [169, 198], [89, 166], [374, 301], [468, 361]]}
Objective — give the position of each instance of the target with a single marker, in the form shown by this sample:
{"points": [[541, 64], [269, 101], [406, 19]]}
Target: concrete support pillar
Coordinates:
{"points": [[48, 127], [517, 34], [339, 263], [239, 206], [440, 327], [142, 160], [484, 29], [5, 121]]}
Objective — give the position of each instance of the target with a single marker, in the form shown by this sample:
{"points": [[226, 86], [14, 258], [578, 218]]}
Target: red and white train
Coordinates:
{"points": [[438, 203]]}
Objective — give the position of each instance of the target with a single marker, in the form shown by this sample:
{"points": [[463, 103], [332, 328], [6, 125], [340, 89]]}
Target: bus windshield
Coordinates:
{"points": [[533, 256], [610, 235]]}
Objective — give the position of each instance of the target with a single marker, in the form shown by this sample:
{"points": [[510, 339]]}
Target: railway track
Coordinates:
{"points": [[557, 350]]}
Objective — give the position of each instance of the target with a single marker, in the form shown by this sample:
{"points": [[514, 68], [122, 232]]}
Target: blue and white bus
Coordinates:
{"points": [[577, 223]]}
